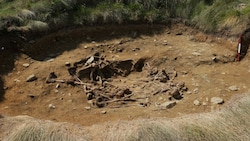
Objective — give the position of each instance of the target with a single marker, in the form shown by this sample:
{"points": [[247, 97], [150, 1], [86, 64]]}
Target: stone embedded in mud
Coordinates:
{"points": [[51, 106], [217, 100], [104, 112], [167, 105], [31, 78], [197, 103], [26, 65], [233, 88]]}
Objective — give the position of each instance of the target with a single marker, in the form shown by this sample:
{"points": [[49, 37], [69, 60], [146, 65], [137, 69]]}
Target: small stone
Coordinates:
{"points": [[196, 54], [67, 64], [196, 90], [51, 106], [104, 112], [31, 96], [184, 72], [217, 100], [31, 78], [57, 86], [50, 60], [167, 105], [197, 103], [87, 108], [233, 88], [204, 103], [16, 80], [165, 42], [26, 65], [56, 91]]}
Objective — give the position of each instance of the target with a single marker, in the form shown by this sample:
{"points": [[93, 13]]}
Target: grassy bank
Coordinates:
{"points": [[39, 15], [230, 123]]}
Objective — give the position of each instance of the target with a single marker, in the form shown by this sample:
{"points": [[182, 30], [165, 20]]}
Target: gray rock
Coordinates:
{"points": [[197, 103], [233, 88], [217, 100], [31, 78], [26, 65], [167, 105]]}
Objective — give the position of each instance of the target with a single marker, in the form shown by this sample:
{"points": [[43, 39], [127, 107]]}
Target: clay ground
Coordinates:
{"points": [[204, 62]]}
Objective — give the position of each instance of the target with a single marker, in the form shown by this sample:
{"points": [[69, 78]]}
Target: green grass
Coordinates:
{"points": [[208, 15]]}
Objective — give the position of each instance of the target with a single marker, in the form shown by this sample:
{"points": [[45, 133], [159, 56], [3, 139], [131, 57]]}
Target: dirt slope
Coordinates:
{"points": [[204, 63]]}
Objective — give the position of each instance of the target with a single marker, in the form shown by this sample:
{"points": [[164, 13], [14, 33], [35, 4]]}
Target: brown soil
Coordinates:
{"points": [[205, 63]]}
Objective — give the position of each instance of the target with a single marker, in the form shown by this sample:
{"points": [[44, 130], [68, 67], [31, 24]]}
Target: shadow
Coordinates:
{"points": [[9, 51], [1, 90], [54, 44], [245, 43], [1, 116], [46, 46]]}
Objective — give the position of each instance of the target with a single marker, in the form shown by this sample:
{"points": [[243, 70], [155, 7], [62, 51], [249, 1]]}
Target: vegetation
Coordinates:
{"points": [[52, 14], [231, 123]]}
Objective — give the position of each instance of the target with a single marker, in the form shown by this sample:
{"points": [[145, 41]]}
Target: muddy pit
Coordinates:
{"points": [[96, 75]]}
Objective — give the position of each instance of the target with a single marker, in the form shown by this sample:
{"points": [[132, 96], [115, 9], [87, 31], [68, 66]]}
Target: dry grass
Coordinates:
{"points": [[231, 123]]}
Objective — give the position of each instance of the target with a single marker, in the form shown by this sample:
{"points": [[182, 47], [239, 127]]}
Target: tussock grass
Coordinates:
{"points": [[37, 130], [231, 123], [208, 15]]}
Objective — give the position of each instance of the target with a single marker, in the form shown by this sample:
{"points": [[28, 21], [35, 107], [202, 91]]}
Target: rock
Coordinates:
{"points": [[217, 100], [204, 103], [16, 80], [31, 96], [26, 65], [165, 42], [178, 33], [167, 105], [196, 90], [197, 103], [196, 54], [50, 59], [31, 78], [233, 88], [67, 64], [56, 91], [87, 108], [57, 86], [104, 112], [51, 106]]}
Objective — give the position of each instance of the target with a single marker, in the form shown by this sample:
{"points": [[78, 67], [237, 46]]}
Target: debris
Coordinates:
{"points": [[95, 72], [31, 78], [217, 100]]}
